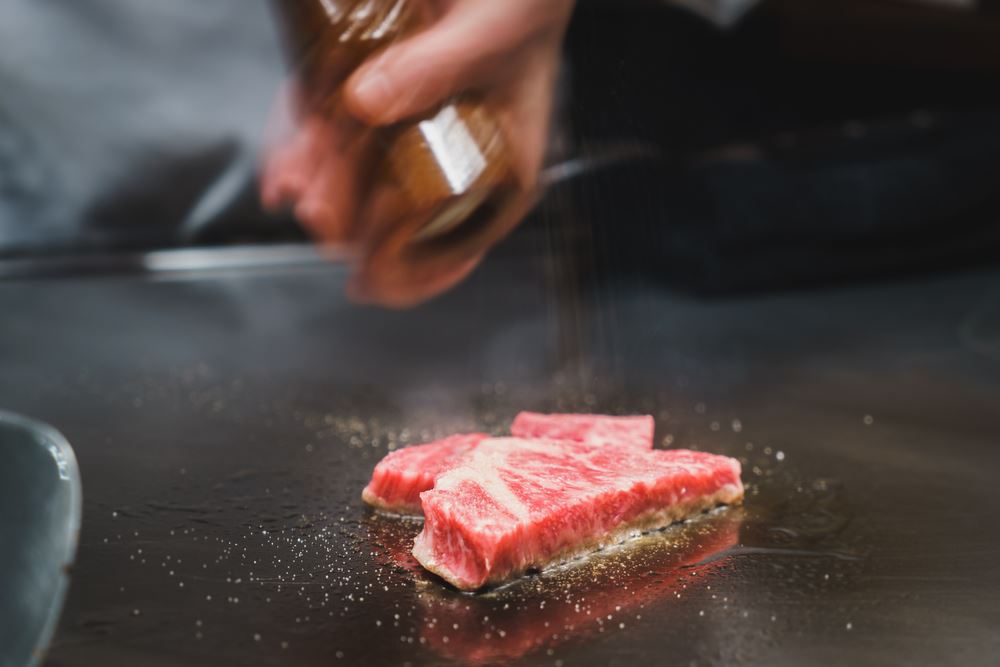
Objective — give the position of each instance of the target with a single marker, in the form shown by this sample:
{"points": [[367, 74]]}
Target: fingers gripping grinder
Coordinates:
{"points": [[450, 168]]}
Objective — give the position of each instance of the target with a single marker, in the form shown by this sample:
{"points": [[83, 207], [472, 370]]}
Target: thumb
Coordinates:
{"points": [[420, 72]]}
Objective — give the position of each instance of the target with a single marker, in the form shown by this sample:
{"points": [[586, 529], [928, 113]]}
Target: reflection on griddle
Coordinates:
{"points": [[561, 604]]}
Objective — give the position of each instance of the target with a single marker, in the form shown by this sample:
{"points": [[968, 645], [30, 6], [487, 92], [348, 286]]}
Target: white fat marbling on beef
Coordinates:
{"points": [[514, 503]]}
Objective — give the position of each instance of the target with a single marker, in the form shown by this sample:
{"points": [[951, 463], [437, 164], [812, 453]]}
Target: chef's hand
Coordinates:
{"points": [[508, 51]]}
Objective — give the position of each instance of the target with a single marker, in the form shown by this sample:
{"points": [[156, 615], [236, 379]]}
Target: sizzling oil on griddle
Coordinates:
{"points": [[285, 561], [611, 589]]}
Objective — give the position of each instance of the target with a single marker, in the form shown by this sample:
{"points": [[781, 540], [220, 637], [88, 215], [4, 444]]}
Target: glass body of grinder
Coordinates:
{"points": [[451, 166]]}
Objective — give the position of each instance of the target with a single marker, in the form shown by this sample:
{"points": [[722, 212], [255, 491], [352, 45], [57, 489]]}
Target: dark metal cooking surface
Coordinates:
{"points": [[226, 425]]}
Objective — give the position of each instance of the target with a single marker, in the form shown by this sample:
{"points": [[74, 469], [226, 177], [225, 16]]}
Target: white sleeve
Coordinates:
{"points": [[724, 13]]}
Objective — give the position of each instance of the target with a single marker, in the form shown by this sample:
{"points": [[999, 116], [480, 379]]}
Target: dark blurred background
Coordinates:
{"points": [[813, 141], [725, 146]]}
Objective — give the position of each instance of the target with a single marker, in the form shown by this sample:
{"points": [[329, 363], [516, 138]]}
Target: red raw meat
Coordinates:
{"points": [[592, 429], [459, 626], [513, 504], [458, 632], [401, 476]]}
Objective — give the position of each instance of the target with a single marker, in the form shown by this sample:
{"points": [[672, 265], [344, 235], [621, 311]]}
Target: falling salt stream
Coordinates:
{"points": [[569, 249]]}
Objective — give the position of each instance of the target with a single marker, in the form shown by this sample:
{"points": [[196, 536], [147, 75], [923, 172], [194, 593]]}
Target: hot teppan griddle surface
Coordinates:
{"points": [[226, 425]]}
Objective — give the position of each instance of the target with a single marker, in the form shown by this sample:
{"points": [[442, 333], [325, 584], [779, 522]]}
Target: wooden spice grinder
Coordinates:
{"points": [[450, 167]]}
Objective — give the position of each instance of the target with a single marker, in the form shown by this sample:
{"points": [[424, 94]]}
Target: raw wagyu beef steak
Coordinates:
{"points": [[401, 476], [593, 429], [514, 504]]}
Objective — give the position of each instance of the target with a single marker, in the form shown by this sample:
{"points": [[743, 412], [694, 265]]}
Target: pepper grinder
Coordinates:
{"points": [[451, 165]]}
